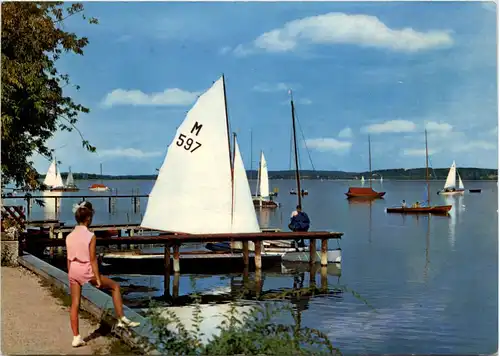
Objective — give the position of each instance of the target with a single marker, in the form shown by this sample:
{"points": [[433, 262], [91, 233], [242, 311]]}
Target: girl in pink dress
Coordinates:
{"points": [[83, 268]]}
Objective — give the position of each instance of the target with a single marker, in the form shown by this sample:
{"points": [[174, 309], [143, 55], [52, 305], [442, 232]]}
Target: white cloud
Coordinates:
{"points": [[268, 88], [345, 133], [328, 144], [128, 153], [304, 101], [169, 97], [433, 126], [390, 126], [340, 28], [420, 152], [474, 145]]}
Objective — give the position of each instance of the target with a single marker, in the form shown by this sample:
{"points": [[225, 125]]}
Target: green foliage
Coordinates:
{"points": [[34, 106], [241, 333]]}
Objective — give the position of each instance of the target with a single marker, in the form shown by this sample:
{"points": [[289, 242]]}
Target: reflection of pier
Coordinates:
{"points": [[246, 286]]}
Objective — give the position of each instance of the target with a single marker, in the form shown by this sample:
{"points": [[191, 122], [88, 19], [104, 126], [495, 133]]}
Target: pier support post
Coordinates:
{"points": [[51, 232], [131, 232], [60, 235], [312, 252], [246, 258], [258, 256], [324, 252], [177, 264], [324, 278], [28, 207]]}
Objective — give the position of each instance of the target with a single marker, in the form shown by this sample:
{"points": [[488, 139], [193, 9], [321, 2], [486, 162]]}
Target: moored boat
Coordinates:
{"points": [[474, 190], [362, 192], [53, 180], [99, 187]]}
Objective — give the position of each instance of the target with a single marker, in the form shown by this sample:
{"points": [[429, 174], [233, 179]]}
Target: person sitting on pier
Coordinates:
{"points": [[83, 268], [299, 222]]}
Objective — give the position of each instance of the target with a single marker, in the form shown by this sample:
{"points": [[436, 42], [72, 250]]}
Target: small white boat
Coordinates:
{"points": [[451, 182]]}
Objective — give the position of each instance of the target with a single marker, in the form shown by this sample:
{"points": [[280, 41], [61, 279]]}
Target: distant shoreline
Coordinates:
{"points": [[414, 174]]}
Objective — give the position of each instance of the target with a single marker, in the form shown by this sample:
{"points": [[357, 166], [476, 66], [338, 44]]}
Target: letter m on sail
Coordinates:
{"points": [[196, 127]]}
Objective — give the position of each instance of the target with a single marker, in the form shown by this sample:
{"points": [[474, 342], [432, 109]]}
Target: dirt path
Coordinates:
{"points": [[36, 322]]}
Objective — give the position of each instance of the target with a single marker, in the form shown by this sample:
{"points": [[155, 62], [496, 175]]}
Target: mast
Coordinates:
{"points": [[297, 173], [251, 150], [427, 170], [231, 160], [370, 159], [100, 165], [258, 176]]}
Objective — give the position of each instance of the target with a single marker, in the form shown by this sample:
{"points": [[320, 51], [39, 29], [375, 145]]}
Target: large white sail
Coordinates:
{"points": [[244, 216], [451, 180], [264, 177], [193, 192], [460, 183], [59, 181], [51, 176]]}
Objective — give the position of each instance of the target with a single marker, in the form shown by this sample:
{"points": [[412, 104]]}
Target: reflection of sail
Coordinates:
{"points": [[212, 316], [264, 216], [450, 200], [52, 207]]}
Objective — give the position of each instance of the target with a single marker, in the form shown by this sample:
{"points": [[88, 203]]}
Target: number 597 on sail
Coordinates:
{"points": [[187, 143]]}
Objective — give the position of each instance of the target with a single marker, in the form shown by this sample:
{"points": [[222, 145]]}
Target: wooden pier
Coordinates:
{"points": [[173, 241]]}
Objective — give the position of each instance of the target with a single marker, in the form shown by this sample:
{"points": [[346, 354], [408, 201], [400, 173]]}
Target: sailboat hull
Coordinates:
{"points": [[263, 203], [366, 193], [437, 210], [455, 192], [65, 189]]}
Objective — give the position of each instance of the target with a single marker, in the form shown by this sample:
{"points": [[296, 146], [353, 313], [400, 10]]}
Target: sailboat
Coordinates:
{"points": [[69, 186], [428, 209], [451, 182], [99, 187], [53, 179], [262, 196], [197, 194], [361, 192]]}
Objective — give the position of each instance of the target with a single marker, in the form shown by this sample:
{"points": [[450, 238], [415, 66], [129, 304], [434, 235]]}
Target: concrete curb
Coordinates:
{"points": [[97, 303]]}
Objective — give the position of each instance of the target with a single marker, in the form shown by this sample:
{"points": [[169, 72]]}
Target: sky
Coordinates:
{"points": [[384, 69]]}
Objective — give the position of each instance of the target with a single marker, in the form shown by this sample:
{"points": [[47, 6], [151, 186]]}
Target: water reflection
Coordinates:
{"points": [[52, 206], [458, 207], [358, 204]]}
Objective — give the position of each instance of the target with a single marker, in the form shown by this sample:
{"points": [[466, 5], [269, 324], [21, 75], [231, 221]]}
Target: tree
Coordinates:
{"points": [[34, 106]]}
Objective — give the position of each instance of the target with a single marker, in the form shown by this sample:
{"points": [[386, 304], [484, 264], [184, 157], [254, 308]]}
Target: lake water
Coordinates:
{"points": [[432, 283]]}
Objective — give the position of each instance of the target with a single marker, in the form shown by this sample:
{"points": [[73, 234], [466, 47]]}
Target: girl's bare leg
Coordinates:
{"points": [[76, 291], [107, 283]]}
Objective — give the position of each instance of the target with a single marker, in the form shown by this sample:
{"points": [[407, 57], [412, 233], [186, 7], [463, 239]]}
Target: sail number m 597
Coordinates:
{"points": [[187, 143]]}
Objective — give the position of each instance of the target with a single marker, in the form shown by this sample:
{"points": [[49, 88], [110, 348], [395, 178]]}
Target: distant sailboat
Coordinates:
{"points": [[53, 177], [451, 182], [262, 196], [99, 187]]}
